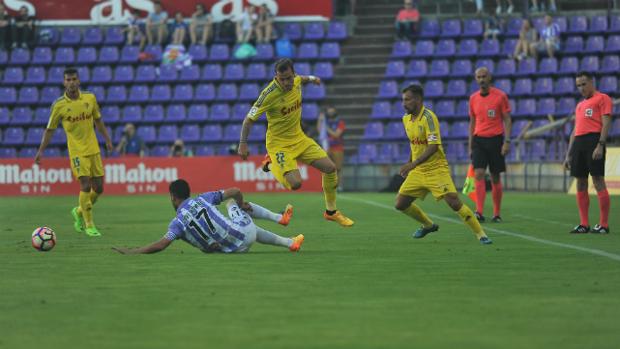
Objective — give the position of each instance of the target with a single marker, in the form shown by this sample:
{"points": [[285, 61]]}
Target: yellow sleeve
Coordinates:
{"points": [[262, 104], [96, 111], [431, 126], [54, 117]]}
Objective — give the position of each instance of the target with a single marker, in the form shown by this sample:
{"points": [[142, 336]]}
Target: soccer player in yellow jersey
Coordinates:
{"points": [[427, 169], [286, 142], [78, 110]]}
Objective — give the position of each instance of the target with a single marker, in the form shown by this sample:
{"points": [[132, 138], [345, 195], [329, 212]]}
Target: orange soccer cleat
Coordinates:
{"points": [[266, 162], [339, 218], [297, 242], [286, 215]]}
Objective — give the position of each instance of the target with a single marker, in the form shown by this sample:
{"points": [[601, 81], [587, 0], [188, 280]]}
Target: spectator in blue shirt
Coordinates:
{"points": [[549, 37], [131, 144], [179, 28], [156, 25]]}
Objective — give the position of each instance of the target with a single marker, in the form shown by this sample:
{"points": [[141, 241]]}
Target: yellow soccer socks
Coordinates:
{"points": [[86, 207], [468, 217], [330, 185], [415, 212]]}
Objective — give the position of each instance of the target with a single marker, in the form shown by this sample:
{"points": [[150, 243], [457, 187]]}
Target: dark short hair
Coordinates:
{"points": [[588, 75], [179, 189], [284, 64], [70, 71], [415, 89]]}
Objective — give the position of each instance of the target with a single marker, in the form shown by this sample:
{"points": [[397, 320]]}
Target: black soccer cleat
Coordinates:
{"points": [[580, 229], [496, 219], [599, 229], [479, 217]]}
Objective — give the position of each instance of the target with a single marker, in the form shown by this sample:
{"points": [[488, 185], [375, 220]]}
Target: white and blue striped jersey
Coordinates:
{"points": [[200, 223]]}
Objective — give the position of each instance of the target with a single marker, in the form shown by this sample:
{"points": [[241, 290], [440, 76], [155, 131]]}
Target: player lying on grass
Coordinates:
{"points": [[199, 223]]}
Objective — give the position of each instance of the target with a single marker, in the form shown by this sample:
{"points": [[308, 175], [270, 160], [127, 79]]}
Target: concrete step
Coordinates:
{"points": [[362, 69], [350, 98], [363, 50], [356, 78]]}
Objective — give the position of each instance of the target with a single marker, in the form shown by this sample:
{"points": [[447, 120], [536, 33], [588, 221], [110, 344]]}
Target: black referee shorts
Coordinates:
{"points": [[487, 151], [582, 163]]}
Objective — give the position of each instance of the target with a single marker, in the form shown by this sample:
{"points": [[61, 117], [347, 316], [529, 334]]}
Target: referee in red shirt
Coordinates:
{"points": [[586, 152], [489, 139]]}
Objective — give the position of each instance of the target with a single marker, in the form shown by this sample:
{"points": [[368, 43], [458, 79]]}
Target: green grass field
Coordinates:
{"points": [[370, 286]]}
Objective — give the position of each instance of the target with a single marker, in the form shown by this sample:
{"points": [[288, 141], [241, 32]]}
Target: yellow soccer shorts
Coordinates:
{"points": [[284, 157], [418, 184], [87, 166]]}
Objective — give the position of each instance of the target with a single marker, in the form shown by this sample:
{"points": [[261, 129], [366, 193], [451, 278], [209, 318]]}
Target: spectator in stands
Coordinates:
{"points": [[526, 44], [5, 26], [331, 127], [498, 9], [156, 25], [479, 7], [202, 22], [535, 8], [134, 32], [492, 27], [179, 28], [178, 150], [23, 28], [549, 40], [264, 25], [407, 20], [131, 144], [246, 24]]}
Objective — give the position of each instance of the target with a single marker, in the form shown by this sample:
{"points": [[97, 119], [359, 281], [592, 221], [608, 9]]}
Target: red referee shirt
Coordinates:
{"points": [[488, 111], [589, 113]]}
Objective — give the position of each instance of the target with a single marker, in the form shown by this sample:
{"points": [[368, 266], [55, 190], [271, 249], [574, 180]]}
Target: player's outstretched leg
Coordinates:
{"points": [[262, 213], [468, 217], [405, 205], [266, 237]]}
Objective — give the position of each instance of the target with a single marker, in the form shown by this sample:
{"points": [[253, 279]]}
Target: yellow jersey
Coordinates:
{"points": [[283, 113], [422, 130], [77, 118]]}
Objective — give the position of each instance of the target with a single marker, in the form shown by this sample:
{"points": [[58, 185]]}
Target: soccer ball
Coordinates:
{"points": [[43, 239]]}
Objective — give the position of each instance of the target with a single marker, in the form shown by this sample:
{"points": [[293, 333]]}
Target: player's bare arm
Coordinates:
{"points": [[155, 247], [104, 132], [600, 147], [507, 132], [243, 139], [47, 137], [472, 128], [568, 157], [310, 79], [235, 194], [428, 152]]}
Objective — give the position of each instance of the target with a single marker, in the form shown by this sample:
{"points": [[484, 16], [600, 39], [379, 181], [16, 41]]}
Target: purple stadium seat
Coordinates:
{"points": [[212, 72], [472, 28], [190, 73], [526, 107], [240, 110], [394, 130], [608, 85], [459, 130], [461, 68], [8, 95], [138, 93], [303, 68], [212, 133], [258, 133], [5, 117], [578, 24], [256, 72], [198, 113], [22, 116], [522, 87], [489, 48], [310, 111], [564, 86], [545, 106], [190, 133], [456, 88], [336, 31], [569, 65], [19, 56], [445, 48], [526, 67], [233, 72], [167, 73], [116, 94], [615, 128], [573, 44], [6, 153], [485, 62], [325, 70], [373, 130], [514, 26], [14, 136], [34, 135], [86, 55], [509, 47], [101, 74], [439, 68], [314, 31], [183, 93], [595, 44], [28, 152], [49, 94], [204, 150], [424, 48], [70, 36], [388, 89], [566, 106], [148, 133], [561, 22], [314, 92], [548, 66], [28, 95], [110, 113], [611, 64], [330, 51], [167, 134], [613, 44], [614, 26], [505, 68], [114, 36], [199, 53], [543, 86], [468, 48], [367, 153], [64, 56], [155, 53], [517, 128], [231, 132], [227, 92], [204, 93], [417, 68], [109, 54], [385, 153], [154, 113], [504, 85], [41, 116], [248, 92], [13, 76], [145, 73], [589, 63], [445, 108], [451, 28], [293, 31], [98, 91], [394, 69], [264, 52], [161, 93], [42, 55], [401, 49], [219, 52], [84, 74], [381, 110], [129, 54], [433, 88], [444, 128], [429, 28], [92, 36], [123, 74]]}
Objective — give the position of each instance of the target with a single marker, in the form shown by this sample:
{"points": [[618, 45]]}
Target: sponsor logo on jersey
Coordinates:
{"points": [[491, 113], [589, 112]]}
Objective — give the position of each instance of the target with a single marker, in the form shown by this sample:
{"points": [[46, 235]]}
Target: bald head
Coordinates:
{"points": [[483, 78]]}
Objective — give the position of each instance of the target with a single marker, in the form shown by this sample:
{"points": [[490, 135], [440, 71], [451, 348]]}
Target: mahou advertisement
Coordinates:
{"points": [[124, 176]]}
